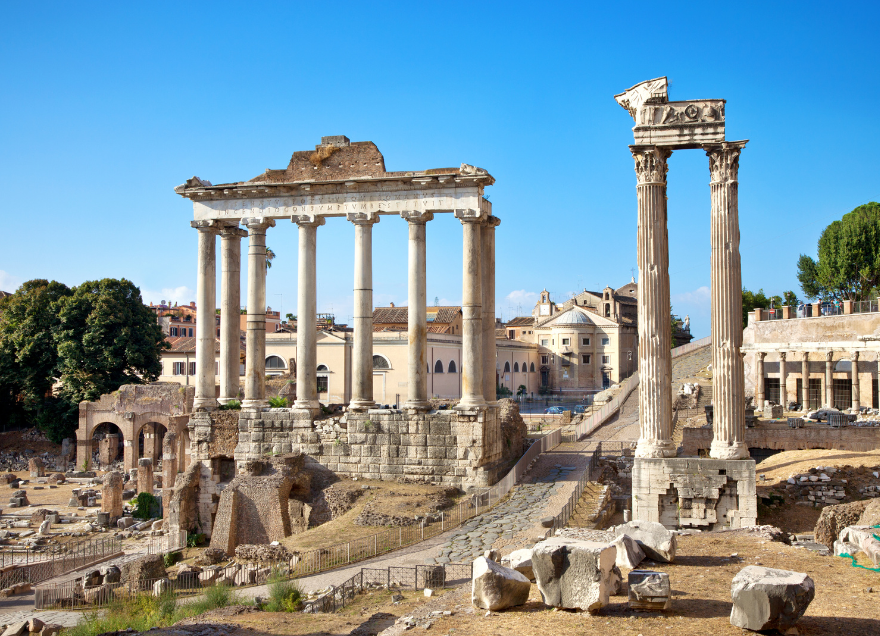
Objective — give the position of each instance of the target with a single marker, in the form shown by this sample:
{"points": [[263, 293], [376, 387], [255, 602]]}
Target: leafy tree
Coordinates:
{"points": [[107, 337], [752, 300], [790, 298], [849, 258], [28, 354], [270, 256]]}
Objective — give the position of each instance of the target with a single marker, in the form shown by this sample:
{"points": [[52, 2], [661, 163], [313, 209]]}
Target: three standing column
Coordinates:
{"points": [[472, 313], [362, 362], [230, 310], [487, 239], [206, 302], [728, 379], [417, 312], [655, 358], [255, 360], [307, 314]]}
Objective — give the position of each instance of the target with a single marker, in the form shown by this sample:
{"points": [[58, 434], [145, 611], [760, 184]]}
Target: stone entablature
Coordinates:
{"points": [[461, 448]]}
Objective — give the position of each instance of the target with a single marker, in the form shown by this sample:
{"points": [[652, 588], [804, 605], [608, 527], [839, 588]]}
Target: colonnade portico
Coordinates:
{"points": [[361, 199]]}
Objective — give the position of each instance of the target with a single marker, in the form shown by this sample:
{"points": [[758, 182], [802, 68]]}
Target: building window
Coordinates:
{"points": [[452, 366], [173, 331], [511, 334], [545, 359], [516, 367], [381, 362], [180, 368], [438, 367], [585, 342], [606, 359], [192, 368], [606, 342], [532, 368], [507, 367], [323, 384], [274, 362], [585, 358], [323, 367], [545, 342], [566, 342]]}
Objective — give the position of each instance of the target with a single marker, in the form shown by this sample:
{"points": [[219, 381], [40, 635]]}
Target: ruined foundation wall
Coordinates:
{"points": [[461, 448], [849, 438]]}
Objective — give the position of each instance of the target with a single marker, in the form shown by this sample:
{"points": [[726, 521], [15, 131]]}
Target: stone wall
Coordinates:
{"points": [[461, 448], [224, 438], [707, 494], [816, 436]]}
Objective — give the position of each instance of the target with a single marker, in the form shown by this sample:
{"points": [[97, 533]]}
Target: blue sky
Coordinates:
{"points": [[106, 108]]}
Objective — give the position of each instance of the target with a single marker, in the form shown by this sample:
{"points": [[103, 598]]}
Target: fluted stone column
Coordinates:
{"points": [[472, 312], [829, 378], [487, 239], [307, 314], [206, 302], [362, 354], [655, 330], [230, 310], [417, 313], [805, 382], [759, 380], [783, 378], [856, 390], [255, 343], [728, 379]]}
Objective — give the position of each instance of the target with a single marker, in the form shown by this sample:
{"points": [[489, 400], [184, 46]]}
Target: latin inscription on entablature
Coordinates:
{"points": [[340, 204], [686, 124]]}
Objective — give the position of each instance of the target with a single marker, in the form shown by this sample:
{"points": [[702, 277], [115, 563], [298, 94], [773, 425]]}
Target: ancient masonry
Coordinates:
{"points": [[347, 180], [716, 492]]}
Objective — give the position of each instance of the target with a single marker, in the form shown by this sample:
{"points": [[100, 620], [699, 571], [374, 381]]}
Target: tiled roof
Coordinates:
{"points": [[432, 328], [400, 315], [188, 345], [521, 321]]}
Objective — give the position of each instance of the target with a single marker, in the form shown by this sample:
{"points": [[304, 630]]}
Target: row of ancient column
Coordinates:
{"points": [[805, 379], [478, 309], [655, 333]]}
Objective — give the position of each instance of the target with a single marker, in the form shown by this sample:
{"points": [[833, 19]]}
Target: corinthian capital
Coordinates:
{"points": [[651, 163], [724, 160]]}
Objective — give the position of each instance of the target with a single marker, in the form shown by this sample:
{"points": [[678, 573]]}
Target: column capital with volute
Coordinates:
{"points": [[308, 220], [206, 226], [783, 355], [491, 222], [829, 356], [470, 216], [232, 231], [257, 223], [362, 218], [417, 217]]}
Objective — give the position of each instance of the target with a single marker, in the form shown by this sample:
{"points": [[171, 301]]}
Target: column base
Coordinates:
{"points": [[223, 400], [207, 404], [254, 404], [417, 405], [471, 404], [309, 405], [655, 448], [723, 450], [361, 405]]}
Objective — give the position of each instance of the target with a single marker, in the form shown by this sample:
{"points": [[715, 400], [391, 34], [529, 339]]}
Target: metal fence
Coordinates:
{"points": [[62, 560], [596, 419], [865, 306]]}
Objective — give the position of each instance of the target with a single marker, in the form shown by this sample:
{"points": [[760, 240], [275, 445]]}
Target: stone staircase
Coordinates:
{"points": [[592, 510]]}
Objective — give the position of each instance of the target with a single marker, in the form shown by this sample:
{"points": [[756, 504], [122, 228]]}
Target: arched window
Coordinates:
{"points": [[607, 310], [516, 367], [274, 362], [532, 368], [452, 366], [381, 362], [323, 367], [438, 367], [506, 367]]}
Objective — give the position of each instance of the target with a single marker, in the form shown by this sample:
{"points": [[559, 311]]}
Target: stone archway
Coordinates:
{"points": [[149, 441], [106, 446]]}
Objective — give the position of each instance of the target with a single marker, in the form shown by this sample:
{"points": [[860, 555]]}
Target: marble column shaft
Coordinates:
{"points": [[255, 343], [759, 380], [728, 379], [362, 349], [856, 390], [472, 312], [783, 379], [829, 378], [490, 355], [805, 382], [655, 358], [230, 310], [417, 312], [206, 303], [307, 314]]}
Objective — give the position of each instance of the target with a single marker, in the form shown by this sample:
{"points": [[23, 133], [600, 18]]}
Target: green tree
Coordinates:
{"points": [[107, 337], [752, 300], [790, 298], [270, 256], [849, 258], [29, 362]]}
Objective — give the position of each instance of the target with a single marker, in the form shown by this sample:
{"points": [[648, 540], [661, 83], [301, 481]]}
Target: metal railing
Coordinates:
{"points": [[597, 418], [63, 560], [865, 306]]}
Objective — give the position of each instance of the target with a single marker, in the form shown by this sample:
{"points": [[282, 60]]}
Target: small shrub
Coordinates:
{"points": [[285, 595], [146, 506], [85, 465], [193, 539], [231, 405], [368, 426], [168, 602], [278, 402], [170, 559]]}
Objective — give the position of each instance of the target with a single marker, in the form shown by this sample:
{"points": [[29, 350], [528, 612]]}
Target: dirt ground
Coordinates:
{"points": [[701, 578], [384, 497], [12, 441]]}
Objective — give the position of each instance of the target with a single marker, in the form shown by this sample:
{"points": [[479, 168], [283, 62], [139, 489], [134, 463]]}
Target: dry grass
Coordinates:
{"points": [[778, 467], [322, 153]]}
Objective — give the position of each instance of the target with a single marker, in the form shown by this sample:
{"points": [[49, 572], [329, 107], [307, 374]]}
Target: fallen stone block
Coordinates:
{"points": [[574, 574], [629, 553], [35, 625], [495, 587], [521, 561], [51, 629], [161, 586], [767, 598], [656, 541], [16, 629], [649, 590], [863, 538]]}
